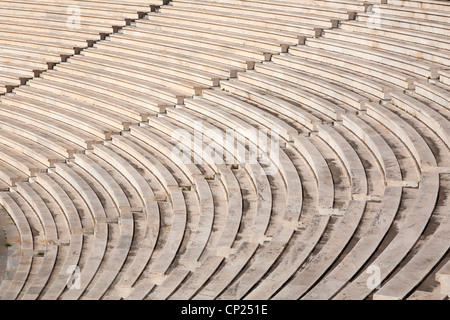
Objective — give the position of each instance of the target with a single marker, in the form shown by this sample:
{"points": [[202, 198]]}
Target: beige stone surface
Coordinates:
{"points": [[357, 92]]}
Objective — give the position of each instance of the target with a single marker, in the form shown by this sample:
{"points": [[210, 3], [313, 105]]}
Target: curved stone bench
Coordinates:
{"points": [[27, 245], [105, 116], [180, 47], [286, 167], [266, 38], [17, 71], [106, 99], [420, 265], [325, 184], [35, 39], [281, 21], [89, 90], [169, 69], [11, 175], [394, 60], [363, 66], [100, 232], [271, 102], [47, 54], [289, 69], [151, 206], [28, 130], [265, 200], [398, 248], [140, 58], [125, 207], [196, 246], [274, 249], [51, 236], [60, 117], [294, 198], [325, 107], [271, 8], [327, 255], [353, 80], [116, 77], [280, 239], [235, 208], [258, 227], [378, 146], [32, 11], [268, 120], [434, 92], [7, 58], [60, 29], [91, 26], [166, 256], [292, 5], [392, 33], [438, 28], [187, 36], [362, 251], [8, 254], [303, 247], [204, 229], [95, 7], [200, 237], [63, 200], [412, 139], [20, 161], [351, 160], [424, 4], [433, 119], [390, 201], [414, 51], [70, 212], [409, 12], [445, 76]]}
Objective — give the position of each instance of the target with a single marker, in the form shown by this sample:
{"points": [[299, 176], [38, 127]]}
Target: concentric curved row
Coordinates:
{"points": [[235, 150]]}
